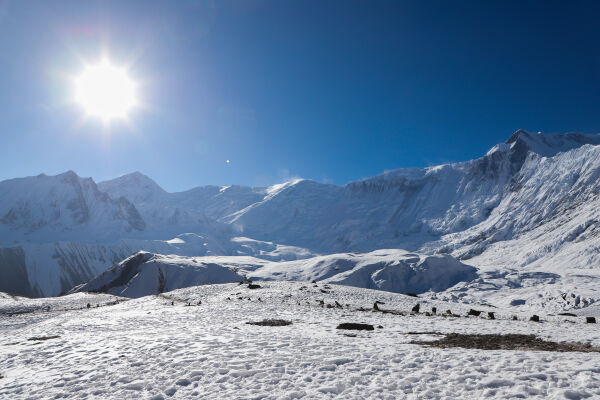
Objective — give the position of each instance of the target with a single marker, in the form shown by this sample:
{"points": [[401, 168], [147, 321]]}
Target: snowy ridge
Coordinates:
{"points": [[144, 274], [391, 270], [548, 145]]}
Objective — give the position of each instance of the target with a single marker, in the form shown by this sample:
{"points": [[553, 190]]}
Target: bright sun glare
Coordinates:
{"points": [[105, 91]]}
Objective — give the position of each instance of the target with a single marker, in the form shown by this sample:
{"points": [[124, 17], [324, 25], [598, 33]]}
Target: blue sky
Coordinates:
{"points": [[328, 90]]}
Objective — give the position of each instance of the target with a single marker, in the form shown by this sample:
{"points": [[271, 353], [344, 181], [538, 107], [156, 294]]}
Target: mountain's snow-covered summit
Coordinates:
{"points": [[529, 204], [46, 208], [548, 145], [136, 187]]}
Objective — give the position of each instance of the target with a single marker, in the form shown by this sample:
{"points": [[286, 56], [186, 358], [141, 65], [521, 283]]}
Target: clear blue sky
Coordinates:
{"points": [[328, 90]]}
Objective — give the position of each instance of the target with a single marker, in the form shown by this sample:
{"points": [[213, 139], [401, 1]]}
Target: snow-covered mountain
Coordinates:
{"points": [[169, 214], [528, 207], [47, 208]]}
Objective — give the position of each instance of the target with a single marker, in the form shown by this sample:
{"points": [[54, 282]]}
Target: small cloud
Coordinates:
{"points": [[285, 175], [327, 180]]}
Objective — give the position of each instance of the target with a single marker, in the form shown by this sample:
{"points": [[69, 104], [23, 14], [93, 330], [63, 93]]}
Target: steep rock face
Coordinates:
{"points": [[13, 270]]}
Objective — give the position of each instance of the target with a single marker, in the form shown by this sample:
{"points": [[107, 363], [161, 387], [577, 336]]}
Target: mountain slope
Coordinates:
{"points": [[392, 270], [402, 208], [167, 214], [144, 274], [65, 206], [528, 206]]}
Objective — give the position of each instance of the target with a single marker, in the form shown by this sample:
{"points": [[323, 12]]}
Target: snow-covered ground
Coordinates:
{"points": [[195, 343]]}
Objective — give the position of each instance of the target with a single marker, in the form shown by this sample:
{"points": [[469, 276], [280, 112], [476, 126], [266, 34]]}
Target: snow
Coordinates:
{"points": [[548, 145], [548, 227], [62, 206], [145, 273], [525, 215], [148, 348], [515, 232], [392, 270]]}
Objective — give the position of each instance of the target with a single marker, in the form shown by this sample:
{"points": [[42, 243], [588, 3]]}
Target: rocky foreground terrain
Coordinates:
{"points": [[212, 341]]}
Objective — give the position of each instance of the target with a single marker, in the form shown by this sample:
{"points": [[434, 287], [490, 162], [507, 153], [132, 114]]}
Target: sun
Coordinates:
{"points": [[105, 91]]}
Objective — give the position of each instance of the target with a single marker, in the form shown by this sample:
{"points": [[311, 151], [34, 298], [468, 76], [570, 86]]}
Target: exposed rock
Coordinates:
{"points": [[355, 326], [517, 302], [506, 342], [40, 338], [271, 322], [254, 286]]}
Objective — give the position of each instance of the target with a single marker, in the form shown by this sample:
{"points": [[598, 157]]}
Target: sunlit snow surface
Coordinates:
{"points": [[148, 348]]}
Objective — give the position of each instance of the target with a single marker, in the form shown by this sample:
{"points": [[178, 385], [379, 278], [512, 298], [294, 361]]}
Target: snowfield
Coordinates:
{"points": [[195, 343]]}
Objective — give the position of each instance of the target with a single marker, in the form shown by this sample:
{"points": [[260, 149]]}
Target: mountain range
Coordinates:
{"points": [[525, 215]]}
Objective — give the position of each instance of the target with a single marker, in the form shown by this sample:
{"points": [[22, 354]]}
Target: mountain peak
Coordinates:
{"points": [[135, 187], [68, 176], [135, 176], [68, 173], [518, 134], [546, 144]]}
